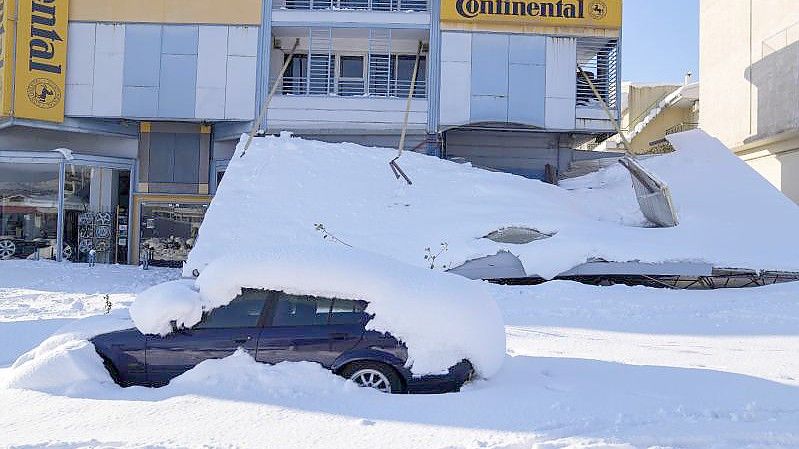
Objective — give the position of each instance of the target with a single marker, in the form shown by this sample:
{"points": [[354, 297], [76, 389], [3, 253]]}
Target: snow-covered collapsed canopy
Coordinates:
{"points": [[273, 196], [442, 318]]}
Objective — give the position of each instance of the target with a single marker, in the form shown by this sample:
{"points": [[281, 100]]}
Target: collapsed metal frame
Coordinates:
{"points": [[721, 278]]}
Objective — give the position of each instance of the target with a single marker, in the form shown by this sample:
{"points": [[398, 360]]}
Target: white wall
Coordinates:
{"points": [[317, 113], [734, 51], [226, 71], [561, 82], [456, 61]]}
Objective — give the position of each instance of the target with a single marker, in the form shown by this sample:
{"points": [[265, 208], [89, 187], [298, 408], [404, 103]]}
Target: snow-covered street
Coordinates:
{"points": [[587, 367]]}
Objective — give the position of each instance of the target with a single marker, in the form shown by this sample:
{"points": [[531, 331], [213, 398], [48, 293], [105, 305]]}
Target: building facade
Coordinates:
{"points": [[749, 62], [119, 116], [649, 113]]}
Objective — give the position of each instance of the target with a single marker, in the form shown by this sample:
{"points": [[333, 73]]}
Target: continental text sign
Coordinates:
{"points": [[41, 59], [501, 15], [6, 55]]}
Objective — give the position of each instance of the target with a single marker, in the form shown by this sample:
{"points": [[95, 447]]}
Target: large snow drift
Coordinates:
{"points": [[442, 318], [66, 362], [283, 186]]}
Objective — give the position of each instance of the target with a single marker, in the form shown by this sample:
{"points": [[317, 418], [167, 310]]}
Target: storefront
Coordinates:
{"points": [[59, 205], [167, 227]]}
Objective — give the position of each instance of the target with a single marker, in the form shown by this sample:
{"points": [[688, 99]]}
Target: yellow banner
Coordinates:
{"points": [[41, 59], [6, 55], [522, 15]]}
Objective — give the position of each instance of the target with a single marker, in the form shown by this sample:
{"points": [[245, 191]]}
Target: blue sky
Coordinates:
{"points": [[660, 40]]}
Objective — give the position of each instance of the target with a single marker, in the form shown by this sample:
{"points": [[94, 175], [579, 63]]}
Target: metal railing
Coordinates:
{"points": [[319, 85], [357, 5], [645, 112], [681, 128], [780, 39]]}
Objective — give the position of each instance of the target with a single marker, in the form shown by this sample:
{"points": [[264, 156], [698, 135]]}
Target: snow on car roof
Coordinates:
{"points": [[284, 186]]}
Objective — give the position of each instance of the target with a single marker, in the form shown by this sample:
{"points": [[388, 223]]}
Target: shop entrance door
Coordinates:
{"points": [[168, 231]]}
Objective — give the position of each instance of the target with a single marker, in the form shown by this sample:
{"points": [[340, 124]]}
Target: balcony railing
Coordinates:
{"points": [[349, 87], [354, 5], [681, 127], [598, 57]]}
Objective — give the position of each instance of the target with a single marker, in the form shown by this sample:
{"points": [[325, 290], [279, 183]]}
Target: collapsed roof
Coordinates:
{"points": [[284, 186]]}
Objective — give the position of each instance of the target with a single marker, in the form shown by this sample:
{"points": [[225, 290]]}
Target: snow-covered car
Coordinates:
{"points": [[273, 327]]}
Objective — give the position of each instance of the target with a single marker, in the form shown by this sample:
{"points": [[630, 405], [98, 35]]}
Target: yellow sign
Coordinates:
{"points": [[520, 15], [41, 59], [6, 55]]}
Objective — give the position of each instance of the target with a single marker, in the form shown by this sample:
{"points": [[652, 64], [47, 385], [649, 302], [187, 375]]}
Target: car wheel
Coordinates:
{"points": [[375, 375], [7, 249], [66, 253]]}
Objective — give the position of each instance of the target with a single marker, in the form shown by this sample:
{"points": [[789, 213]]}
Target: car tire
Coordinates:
{"points": [[375, 375]]}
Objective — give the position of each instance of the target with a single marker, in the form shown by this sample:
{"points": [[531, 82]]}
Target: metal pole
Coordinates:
{"points": [[265, 106], [627, 147], [393, 164], [60, 229], [408, 101]]}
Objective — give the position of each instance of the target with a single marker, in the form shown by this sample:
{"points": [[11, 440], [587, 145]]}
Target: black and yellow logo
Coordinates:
{"points": [[597, 9], [44, 93]]}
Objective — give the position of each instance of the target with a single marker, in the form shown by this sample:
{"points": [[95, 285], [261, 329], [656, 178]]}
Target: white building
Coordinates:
{"points": [[749, 63]]}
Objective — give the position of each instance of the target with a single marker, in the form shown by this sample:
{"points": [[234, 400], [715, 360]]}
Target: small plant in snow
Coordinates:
{"points": [[431, 258], [108, 304], [328, 236]]}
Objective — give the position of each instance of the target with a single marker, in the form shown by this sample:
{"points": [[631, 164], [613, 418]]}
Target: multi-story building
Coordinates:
{"points": [[120, 116], [749, 63]]}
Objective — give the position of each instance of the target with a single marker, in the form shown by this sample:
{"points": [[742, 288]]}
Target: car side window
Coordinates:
{"points": [[301, 310], [244, 311], [347, 311]]}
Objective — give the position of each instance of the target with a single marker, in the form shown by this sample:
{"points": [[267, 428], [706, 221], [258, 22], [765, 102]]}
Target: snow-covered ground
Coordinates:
{"points": [[37, 298], [587, 367]]}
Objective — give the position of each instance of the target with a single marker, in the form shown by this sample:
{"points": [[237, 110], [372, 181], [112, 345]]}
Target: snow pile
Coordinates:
{"points": [[283, 186], [67, 362], [239, 376], [729, 215], [177, 300]]}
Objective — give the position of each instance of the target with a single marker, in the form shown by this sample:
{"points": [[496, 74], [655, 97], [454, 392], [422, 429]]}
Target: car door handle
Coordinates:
{"points": [[339, 335], [242, 339]]}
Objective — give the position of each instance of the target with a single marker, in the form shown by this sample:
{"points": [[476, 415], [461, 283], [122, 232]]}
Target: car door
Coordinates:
{"points": [[346, 324], [297, 330], [220, 333]]}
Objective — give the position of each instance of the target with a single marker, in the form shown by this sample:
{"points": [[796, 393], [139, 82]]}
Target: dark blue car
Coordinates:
{"points": [[275, 327]]}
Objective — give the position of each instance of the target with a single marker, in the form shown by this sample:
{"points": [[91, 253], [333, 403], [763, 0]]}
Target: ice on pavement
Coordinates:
{"points": [[283, 186], [442, 318]]}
